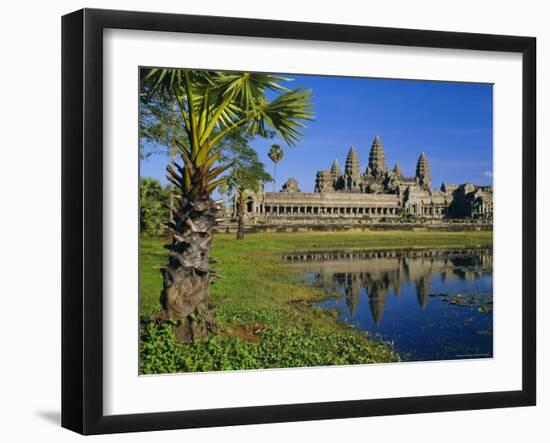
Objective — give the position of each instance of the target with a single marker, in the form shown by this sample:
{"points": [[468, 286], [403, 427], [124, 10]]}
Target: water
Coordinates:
{"points": [[432, 304]]}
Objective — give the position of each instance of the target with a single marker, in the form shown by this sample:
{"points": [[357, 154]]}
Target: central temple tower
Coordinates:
{"points": [[377, 159]]}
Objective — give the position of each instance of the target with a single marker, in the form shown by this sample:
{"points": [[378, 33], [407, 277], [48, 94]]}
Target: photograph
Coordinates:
{"points": [[294, 221]]}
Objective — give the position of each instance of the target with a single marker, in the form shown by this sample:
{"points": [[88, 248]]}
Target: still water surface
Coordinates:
{"points": [[432, 304]]}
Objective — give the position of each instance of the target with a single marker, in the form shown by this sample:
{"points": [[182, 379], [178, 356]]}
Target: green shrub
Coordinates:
{"points": [[275, 348], [153, 206]]}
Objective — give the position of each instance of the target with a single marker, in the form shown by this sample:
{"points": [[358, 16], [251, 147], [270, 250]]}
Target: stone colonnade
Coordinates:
{"points": [[482, 208], [324, 209], [433, 210], [430, 209]]}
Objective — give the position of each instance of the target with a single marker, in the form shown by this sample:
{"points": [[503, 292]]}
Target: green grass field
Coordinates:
{"points": [[265, 317]]}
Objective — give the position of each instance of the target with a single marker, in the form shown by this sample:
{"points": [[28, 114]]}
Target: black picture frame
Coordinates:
{"points": [[82, 215]]}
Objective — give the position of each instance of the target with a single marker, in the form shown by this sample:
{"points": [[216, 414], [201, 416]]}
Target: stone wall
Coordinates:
{"points": [[386, 225]]}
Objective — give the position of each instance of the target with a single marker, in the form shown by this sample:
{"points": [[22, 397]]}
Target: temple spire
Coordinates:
{"points": [[352, 171], [335, 169], [397, 170], [377, 159], [423, 171], [352, 162]]}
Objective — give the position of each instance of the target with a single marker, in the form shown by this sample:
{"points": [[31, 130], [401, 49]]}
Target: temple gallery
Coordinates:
{"points": [[379, 195]]}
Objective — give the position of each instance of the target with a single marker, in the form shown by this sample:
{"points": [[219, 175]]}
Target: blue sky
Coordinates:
{"points": [[451, 122]]}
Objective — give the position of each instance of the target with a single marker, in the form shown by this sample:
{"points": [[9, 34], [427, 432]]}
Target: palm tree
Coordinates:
{"points": [[211, 104], [247, 175], [153, 206], [276, 154]]}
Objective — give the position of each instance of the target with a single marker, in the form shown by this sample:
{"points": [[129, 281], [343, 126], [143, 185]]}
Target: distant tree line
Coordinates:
{"points": [[154, 207]]}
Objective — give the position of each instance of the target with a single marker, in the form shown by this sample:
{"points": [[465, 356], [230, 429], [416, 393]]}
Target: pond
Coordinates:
{"points": [[432, 304]]}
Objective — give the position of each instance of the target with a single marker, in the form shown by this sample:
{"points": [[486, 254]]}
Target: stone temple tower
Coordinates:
{"points": [[423, 171], [335, 170], [377, 159], [323, 182], [397, 170], [352, 174], [337, 180]]}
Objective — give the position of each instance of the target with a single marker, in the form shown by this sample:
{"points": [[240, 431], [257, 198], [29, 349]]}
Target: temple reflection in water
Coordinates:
{"points": [[380, 273]]}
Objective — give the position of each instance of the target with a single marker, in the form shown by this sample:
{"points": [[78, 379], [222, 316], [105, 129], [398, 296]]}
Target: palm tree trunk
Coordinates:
{"points": [[186, 278], [240, 216], [275, 177]]}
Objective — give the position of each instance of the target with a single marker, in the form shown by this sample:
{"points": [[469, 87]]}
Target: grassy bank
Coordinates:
{"points": [[265, 318]]}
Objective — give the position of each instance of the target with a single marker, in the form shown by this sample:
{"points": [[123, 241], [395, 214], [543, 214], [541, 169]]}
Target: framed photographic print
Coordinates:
{"points": [[269, 221]]}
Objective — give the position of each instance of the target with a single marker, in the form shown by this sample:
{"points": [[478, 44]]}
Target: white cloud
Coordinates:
{"points": [[488, 174]]}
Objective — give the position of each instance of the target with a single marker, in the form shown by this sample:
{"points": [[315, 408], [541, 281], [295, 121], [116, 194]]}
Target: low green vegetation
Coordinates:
{"points": [[265, 316]]}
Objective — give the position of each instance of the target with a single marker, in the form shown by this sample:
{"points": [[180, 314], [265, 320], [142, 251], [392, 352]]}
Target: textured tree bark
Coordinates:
{"points": [[240, 216], [186, 278]]}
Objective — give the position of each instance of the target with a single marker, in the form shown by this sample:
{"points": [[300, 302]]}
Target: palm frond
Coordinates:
{"points": [[212, 105]]}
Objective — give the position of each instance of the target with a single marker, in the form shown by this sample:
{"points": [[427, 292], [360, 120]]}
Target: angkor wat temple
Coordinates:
{"points": [[379, 195]]}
